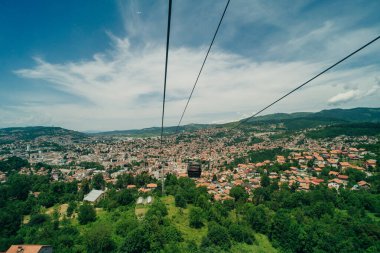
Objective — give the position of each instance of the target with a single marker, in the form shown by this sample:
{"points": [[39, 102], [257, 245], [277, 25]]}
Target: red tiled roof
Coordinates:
{"points": [[343, 177], [344, 164], [362, 183], [26, 248], [333, 173]]}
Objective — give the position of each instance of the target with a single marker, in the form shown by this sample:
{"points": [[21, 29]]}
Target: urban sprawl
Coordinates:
{"points": [[227, 159]]}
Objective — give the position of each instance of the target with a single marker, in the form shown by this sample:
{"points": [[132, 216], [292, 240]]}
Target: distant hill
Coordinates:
{"points": [[360, 114], [348, 129], [31, 133], [352, 115], [281, 116], [155, 131], [291, 121], [302, 120]]}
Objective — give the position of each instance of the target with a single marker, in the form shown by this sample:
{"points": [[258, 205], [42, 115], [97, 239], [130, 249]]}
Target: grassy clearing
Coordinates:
{"points": [[62, 210], [180, 218], [140, 211]]}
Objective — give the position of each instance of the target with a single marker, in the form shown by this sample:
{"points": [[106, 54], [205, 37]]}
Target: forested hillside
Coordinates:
{"points": [[31, 133], [187, 219]]}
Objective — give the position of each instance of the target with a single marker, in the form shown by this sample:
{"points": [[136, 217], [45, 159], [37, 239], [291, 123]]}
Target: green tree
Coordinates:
{"points": [[285, 231], [98, 238], [38, 219], [136, 241], [239, 193], [171, 234], [125, 225], [259, 217], [13, 163], [98, 182], [260, 195], [19, 186], [125, 197], [46, 199], [157, 209], [355, 175], [265, 180], [86, 214], [85, 186], [71, 208], [196, 217], [217, 235], [241, 233], [180, 201]]}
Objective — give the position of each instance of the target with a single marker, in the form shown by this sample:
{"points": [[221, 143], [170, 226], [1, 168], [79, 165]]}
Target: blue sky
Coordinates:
{"points": [[98, 65]]}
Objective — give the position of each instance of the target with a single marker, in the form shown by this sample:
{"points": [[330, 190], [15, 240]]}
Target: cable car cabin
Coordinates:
{"points": [[194, 170]]}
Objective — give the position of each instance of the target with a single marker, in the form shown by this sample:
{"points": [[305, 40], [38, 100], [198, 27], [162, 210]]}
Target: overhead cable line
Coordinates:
{"points": [[164, 95], [204, 61], [305, 83]]}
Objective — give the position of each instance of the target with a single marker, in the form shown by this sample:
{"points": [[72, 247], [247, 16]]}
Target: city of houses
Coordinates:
{"points": [[213, 147]]}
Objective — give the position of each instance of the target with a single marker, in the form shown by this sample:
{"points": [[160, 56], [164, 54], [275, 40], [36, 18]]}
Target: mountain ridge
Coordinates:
{"points": [[297, 120]]}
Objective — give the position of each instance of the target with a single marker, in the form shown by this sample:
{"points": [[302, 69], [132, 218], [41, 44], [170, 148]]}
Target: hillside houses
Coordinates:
{"points": [[306, 163]]}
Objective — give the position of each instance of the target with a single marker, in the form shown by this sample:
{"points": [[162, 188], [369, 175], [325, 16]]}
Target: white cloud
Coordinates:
{"points": [[344, 97], [350, 95], [123, 87]]}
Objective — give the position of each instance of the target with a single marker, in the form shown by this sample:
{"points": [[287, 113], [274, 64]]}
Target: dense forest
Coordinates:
{"points": [[186, 219], [352, 129]]}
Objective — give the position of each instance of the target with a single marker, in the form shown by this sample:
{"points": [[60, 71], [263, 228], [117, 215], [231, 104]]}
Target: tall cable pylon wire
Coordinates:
{"points": [[203, 64], [305, 83], [164, 96]]}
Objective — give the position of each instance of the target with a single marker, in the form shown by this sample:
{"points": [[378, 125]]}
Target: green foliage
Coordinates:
{"points": [[124, 180], [321, 220], [125, 197], [19, 186], [143, 179], [265, 181], [180, 201], [85, 186], [259, 218], [241, 233], [196, 217], [86, 214], [71, 208], [125, 225], [217, 235], [267, 154], [31, 133], [285, 231], [158, 209], [136, 241], [262, 194], [38, 219], [373, 148], [203, 202], [98, 238], [91, 165], [355, 175], [13, 163], [98, 182], [353, 129], [239, 193]]}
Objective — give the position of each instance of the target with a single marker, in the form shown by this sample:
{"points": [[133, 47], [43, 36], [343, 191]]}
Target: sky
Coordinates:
{"points": [[98, 65]]}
